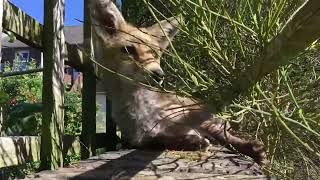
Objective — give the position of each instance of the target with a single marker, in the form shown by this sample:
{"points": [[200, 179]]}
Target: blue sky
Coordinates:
{"points": [[34, 8]]}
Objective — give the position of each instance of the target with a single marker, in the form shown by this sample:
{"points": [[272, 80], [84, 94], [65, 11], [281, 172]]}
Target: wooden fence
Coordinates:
{"points": [[52, 145], [17, 150]]}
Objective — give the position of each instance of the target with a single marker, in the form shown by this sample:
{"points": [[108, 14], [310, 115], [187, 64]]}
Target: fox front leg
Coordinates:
{"points": [[254, 148]]}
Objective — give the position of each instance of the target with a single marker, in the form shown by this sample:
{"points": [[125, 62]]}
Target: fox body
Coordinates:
{"points": [[146, 117]]}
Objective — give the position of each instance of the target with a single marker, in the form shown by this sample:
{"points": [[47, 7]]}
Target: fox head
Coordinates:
{"points": [[128, 50]]}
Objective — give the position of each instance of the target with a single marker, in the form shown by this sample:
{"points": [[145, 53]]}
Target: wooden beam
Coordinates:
{"points": [[18, 73], [1, 14], [29, 31], [88, 90], [53, 86], [24, 27]]}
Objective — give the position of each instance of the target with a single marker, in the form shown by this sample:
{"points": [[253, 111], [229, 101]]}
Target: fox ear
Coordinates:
{"points": [[169, 27], [105, 13]]}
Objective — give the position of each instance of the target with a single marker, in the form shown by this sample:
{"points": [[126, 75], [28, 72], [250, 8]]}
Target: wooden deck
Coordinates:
{"points": [[167, 165]]}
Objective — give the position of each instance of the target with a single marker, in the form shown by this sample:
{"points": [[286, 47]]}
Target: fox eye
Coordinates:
{"points": [[129, 50]]}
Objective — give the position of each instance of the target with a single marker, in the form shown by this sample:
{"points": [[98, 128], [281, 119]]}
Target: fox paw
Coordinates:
{"points": [[257, 152]]}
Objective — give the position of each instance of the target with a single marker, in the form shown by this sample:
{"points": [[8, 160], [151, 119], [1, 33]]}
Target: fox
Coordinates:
{"points": [[146, 117]]}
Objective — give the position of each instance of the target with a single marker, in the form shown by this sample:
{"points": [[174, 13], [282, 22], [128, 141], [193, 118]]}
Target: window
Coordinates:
{"points": [[2, 66], [23, 56], [21, 60], [68, 70]]}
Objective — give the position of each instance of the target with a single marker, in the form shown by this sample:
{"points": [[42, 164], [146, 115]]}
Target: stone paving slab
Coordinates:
{"points": [[166, 165]]}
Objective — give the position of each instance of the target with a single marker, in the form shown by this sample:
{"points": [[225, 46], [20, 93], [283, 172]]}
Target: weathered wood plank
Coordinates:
{"points": [[152, 165], [18, 150], [53, 94], [1, 19], [88, 90], [17, 73], [26, 29], [72, 145], [29, 31], [1, 14]]}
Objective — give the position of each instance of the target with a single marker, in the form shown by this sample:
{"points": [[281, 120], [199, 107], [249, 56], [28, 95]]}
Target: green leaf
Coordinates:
{"points": [[195, 80], [12, 37]]}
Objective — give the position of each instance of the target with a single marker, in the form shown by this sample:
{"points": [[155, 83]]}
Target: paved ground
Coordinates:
{"points": [[167, 165]]}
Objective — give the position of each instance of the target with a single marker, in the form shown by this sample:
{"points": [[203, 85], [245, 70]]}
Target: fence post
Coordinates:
{"points": [[1, 121], [1, 16], [111, 128], [53, 87], [88, 90]]}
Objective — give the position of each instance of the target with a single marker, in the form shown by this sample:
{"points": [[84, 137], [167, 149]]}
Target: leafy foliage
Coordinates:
{"points": [[22, 108], [23, 119], [4, 98], [25, 88], [72, 117], [70, 159], [19, 172], [20, 96], [21, 99]]}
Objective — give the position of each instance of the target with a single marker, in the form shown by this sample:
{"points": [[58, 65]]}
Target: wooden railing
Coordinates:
{"points": [[17, 150], [21, 149]]}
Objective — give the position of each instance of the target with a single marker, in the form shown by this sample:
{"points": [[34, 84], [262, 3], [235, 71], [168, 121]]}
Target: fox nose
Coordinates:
{"points": [[158, 73]]}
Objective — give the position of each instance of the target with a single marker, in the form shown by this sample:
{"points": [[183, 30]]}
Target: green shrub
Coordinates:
{"points": [[24, 88], [73, 110], [22, 110], [19, 172], [23, 119], [21, 99], [70, 159]]}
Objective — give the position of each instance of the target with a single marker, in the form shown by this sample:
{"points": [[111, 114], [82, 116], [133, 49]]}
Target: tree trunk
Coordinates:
{"points": [[53, 87]]}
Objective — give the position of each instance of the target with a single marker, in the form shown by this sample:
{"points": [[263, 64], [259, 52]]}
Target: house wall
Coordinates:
{"points": [[101, 112]]}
